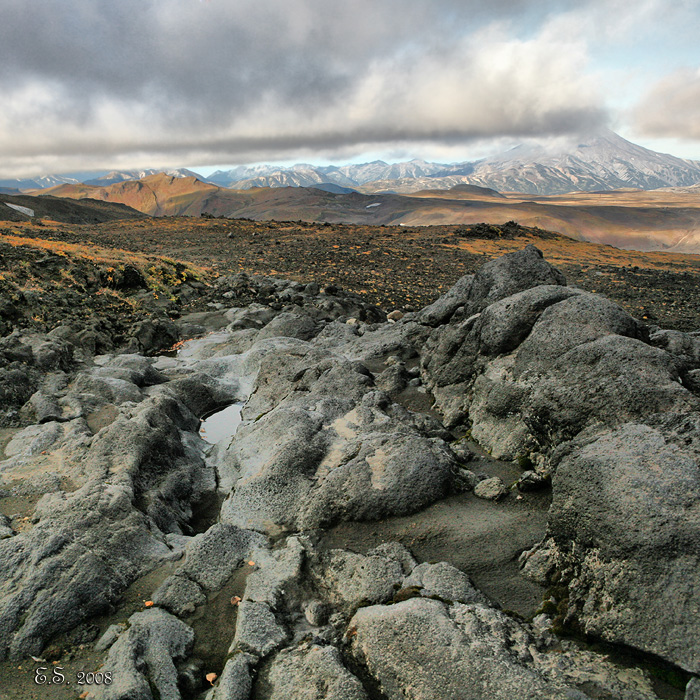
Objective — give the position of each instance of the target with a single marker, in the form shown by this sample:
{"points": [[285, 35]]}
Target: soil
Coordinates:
{"points": [[396, 266], [482, 538]]}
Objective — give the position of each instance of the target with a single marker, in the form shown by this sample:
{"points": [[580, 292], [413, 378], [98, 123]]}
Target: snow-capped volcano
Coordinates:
{"points": [[603, 161]]}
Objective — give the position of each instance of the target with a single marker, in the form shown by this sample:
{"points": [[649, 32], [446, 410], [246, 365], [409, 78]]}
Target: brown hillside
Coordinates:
{"points": [[156, 195], [50, 208], [629, 219]]}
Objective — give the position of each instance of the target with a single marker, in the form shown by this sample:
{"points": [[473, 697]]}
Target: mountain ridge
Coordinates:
{"points": [[665, 219], [600, 161]]}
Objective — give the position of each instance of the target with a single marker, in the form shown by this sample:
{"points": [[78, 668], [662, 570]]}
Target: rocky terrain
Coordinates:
{"points": [[492, 496], [395, 267], [666, 219]]}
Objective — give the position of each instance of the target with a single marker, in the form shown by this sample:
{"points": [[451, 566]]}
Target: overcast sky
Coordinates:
{"points": [[93, 84]]}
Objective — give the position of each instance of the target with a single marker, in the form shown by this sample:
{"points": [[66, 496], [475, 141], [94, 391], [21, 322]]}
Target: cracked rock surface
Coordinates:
{"points": [[186, 569]]}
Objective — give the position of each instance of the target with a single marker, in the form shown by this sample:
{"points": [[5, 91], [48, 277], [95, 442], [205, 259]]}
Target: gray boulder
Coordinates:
{"points": [[213, 556], [456, 353], [350, 580], [569, 323], [406, 646], [5, 527], [683, 345], [441, 310], [179, 595], [236, 681], [692, 690], [492, 489], [86, 548], [604, 382], [141, 661], [374, 344], [506, 323], [395, 552], [444, 581], [200, 392], [257, 630], [140, 369], [290, 325], [497, 279], [624, 535], [152, 335], [111, 634], [311, 672], [426, 650], [510, 274], [277, 579], [146, 447], [136, 478], [323, 446]]}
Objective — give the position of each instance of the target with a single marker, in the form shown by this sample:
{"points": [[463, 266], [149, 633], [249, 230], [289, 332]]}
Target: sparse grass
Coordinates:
{"points": [[159, 272], [402, 267]]}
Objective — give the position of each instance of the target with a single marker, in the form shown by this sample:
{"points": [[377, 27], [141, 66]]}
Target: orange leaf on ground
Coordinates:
{"points": [[211, 677], [148, 603]]}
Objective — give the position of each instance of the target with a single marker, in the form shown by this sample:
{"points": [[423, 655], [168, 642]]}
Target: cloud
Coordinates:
{"points": [[671, 107], [173, 81]]}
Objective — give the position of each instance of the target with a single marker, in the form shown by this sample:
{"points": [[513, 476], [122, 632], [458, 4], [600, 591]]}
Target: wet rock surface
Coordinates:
{"points": [[107, 488]]}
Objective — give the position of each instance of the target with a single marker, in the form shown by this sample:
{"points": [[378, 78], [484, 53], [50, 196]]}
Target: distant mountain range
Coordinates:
{"points": [[94, 177], [662, 219], [305, 175], [602, 161]]}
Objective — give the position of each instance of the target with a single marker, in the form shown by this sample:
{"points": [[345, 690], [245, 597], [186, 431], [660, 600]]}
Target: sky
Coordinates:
{"points": [[99, 84]]}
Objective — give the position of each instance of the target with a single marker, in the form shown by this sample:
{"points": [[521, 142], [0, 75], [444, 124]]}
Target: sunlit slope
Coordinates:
{"points": [[631, 219]]}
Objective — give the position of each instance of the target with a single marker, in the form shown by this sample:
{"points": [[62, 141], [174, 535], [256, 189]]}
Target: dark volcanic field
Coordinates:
{"points": [[394, 266]]}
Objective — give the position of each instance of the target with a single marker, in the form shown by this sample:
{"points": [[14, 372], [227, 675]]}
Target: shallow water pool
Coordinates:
{"points": [[222, 424]]}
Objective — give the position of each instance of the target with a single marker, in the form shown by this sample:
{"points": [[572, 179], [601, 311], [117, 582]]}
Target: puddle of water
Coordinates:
{"points": [[222, 424]]}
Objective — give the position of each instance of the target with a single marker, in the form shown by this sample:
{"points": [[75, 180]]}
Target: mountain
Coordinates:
{"points": [[100, 178], [53, 180], [123, 175], [603, 161], [156, 195], [663, 219], [226, 178], [308, 176], [600, 161], [38, 183], [379, 170]]}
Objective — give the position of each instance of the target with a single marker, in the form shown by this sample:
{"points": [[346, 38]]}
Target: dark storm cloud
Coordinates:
{"points": [[166, 76]]}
